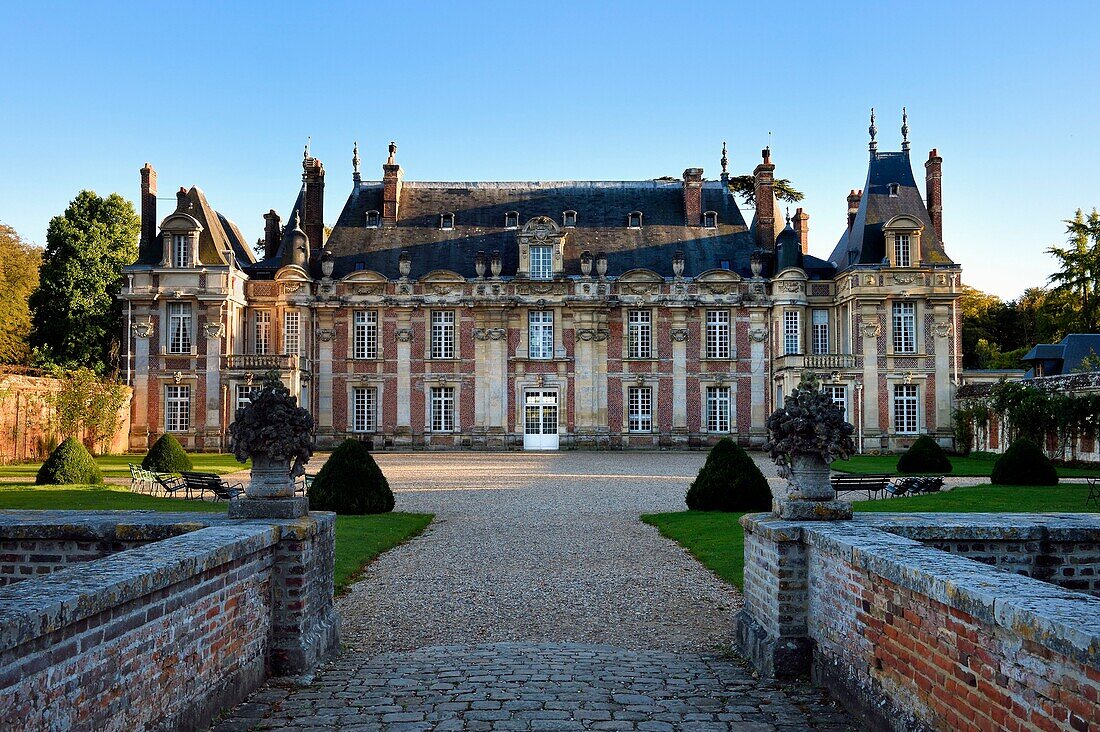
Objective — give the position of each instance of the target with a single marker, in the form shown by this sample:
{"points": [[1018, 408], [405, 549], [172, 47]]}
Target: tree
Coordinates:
{"points": [[76, 315], [19, 263], [87, 407], [745, 187], [1078, 275]]}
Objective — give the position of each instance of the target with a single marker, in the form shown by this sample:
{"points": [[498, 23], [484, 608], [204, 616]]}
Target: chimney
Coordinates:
{"points": [[933, 191], [853, 206], [763, 176], [693, 196], [148, 205], [801, 225], [313, 209], [391, 188], [182, 202], [273, 234]]}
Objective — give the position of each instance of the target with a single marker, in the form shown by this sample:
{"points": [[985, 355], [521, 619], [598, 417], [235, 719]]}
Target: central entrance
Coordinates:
{"points": [[540, 420]]}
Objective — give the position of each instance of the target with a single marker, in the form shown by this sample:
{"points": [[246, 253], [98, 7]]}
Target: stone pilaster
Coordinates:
{"points": [[214, 333], [679, 371], [326, 337], [760, 379], [141, 333], [403, 336]]}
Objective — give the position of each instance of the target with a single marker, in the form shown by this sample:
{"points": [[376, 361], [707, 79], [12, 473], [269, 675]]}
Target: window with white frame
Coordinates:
{"points": [[634, 220], [902, 250], [892, 190], [639, 400], [179, 327], [443, 409], [542, 262], [364, 409], [838, 394], [718, 334], [792, 337], [244, 395], [511, 220], [710, 220], [181, 250], [292, 332], [905, 327], [177, 408], [443, 334], [639, 334], [365, 336], [718, 409], [446, 221], [374, 219], [540, 334], [820, 331], [906, 409], [569, 219], [262, 320]]}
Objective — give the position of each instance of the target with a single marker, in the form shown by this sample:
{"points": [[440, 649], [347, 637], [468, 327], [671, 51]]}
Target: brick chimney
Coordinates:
{"points": [[313, 209], [148, 205], [391, 188], [853, 206], [693, 196], [763, 176], [801, 224], [273, 234], [933, 192]]}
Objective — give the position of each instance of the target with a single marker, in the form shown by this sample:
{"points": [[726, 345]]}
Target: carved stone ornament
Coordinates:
{"points": [[213, 330], [538, 381], [443, 289], [790, 286], [870, 330], [403, 334], [678, 334], [326, 335], [177, 377], [870, 279], [758, 334], [942, 329], [719, 289], [143, 330], [249, 378], [291, 287], [490, 334], [404, 289], [592, 334], [904, 279], [370, 289], [638, 289]]}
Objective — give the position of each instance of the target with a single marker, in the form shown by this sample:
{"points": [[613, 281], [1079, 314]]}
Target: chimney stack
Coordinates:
{"points": [[182, 202], [801, 225], [391, 187], [933, 191], [763, 177], [148, 205], [853, 206], [313, 208], [273, 234], [693, 196]]}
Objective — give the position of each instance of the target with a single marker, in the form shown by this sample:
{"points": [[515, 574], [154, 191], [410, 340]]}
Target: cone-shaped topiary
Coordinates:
{"points": [[729, 481], [924, 456], [69, 464], [1024, 463], [350, 482], [166, 456]]}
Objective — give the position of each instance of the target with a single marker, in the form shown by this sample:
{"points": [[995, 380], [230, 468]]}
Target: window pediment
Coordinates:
{"points": [[180, 222]]}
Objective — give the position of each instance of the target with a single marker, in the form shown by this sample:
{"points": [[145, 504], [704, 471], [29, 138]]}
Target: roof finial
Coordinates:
{"points": [[788, 215], [904, 130], [725, 160], [305, 153], [872, 130], [393, 153], [355, 161]]}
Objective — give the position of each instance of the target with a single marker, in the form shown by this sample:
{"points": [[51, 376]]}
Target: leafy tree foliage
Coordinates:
{"points": [[1078, 275], [350, 482], [729, 481], [997, 334], [69, 464], [86, 406], [19, 263], [745, 187], [77, 317]]}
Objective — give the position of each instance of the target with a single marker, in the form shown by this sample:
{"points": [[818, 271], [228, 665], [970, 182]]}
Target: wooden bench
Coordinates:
{"points": [[874, 485], [199, 483]]}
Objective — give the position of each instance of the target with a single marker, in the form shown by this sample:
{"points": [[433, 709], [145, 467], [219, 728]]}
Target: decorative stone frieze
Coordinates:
{"points": [[678, 334], [490, 334], [403, 335], [592, 334], [142, 330]]}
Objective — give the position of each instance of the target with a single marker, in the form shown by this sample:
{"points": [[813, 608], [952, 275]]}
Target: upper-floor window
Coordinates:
{"points": [[710, 220], [263, 332], [820, 331], [905, 327], [906, 412], [634, 220], [718, 334], [364, 409], [511, 220], [179, 327], [374, 219], [181, 250], [446, 221], [639, 400], [540, 334], [724, 264], [892, 190], [902, 250], [443, 334], [365, 337], [292, 332], [359, 266], [542, 262], [639, 334], [244, 395], [569, 218], [792, 335]]}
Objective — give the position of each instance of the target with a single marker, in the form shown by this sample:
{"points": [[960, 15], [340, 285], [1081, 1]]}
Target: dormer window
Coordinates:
{"points": [[511, 220], [374, 219], [446, 221], [569, 219], [710, 220], [903, 250], [181, 250], [892, 189], [634, 220]]}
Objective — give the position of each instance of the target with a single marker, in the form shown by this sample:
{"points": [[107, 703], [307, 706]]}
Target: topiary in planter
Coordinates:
{"points": [[166, 456], [350, 482], [729, 481], [69, 464], [924, 456], [1024, 463]]}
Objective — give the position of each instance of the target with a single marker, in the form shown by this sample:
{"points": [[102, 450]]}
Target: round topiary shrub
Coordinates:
{"points": [[924, 456], [350, 482], [729, 481], [166, 456], [69, 464], [1024, 463]]}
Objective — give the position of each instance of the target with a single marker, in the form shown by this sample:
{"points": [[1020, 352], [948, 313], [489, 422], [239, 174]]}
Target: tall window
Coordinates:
{"points": [[634, 220], [244, 395], [364, 409], [902, 251], [710, 220], [177, 408], [718, 334], [905, 409], [569, 218], [263, 332], [374, 219], [639, 334], [639, 401], [542, 262], [181, 250], [718, 409], [540, 334], [821, 331], [365, 340], [838, 394], [292, 332], [179, 327], [443, 334], [905, 327], [511, 220], [443, 409], [792, 339]]}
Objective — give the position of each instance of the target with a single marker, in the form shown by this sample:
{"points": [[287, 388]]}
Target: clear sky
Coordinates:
{"points": [[223, 95]]}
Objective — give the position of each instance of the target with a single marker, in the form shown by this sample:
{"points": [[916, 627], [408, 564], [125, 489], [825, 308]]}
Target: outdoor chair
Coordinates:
{"points": [[139, 481], [898, 488], [1094, 491], [171, 484], [198, 484]]}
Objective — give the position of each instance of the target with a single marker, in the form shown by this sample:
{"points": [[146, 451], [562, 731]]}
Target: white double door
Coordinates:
{"points": [[540, 420]]}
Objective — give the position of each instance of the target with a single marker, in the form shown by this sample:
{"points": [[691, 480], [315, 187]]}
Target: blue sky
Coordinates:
{"points": [[223, 95]]}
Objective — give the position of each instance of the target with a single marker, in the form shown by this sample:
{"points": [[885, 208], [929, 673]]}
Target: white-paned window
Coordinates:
{"points": [[292, 332], [443, 334], [639, 400], [639, 334], [447, 221], [181, 250], [905, 327], [634, 220], [792, 337], [364, 409], [374, 219], [902, 251], [263, 332], [179, 327], [542, 262], [443, 409], [569, 218], [177, 408], [540, 334], [511, 220], [718, 334], [710, 220], [244, 395], [778, 396], [821, 331], [838, 393], [906, 409], [718, 409], [365, 340]]}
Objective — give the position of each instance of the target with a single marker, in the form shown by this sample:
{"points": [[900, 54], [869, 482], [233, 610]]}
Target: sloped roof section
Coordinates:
{"points": [[220, 239]]}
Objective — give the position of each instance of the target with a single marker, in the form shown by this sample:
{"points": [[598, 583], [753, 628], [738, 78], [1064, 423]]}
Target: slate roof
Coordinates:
{"points": [[219, 240], [1064, 357]]}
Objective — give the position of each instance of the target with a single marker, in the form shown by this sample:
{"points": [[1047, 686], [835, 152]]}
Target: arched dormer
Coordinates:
{"points": [[903, 241], [180, 234], [639, 282], [541, 249]]}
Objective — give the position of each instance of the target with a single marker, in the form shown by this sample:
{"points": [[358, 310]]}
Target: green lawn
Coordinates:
{"points": [[974, 465], [117, 466], [359, 539], [718, 541]]}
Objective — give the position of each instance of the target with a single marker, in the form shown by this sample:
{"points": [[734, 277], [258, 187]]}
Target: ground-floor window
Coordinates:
{"points": [[177, 408], [640, 409], [718, 408], [905, 409], [364, 409], [839, 396], [443, 409], [244, 395]]}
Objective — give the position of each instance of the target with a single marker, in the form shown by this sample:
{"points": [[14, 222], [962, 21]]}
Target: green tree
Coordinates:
{"points": [[77, 317], [19, 263], [87, 407], [745, 187], [1078, 275]]}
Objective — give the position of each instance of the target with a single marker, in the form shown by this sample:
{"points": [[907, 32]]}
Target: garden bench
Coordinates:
{"points": [[871, 484], [200, 483]]}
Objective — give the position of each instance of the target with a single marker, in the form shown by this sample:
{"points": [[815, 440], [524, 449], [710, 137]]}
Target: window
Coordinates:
{"points": [[177, 408], [569, 219], [360, 266], [443, 334], [446, 221], [443, 409], [634, 220], [263, 332], [179, 327], [639, 334], [365, 337], [292, 332], [710, 220], [244, 395], [838, 394], [374, 219], [639, 401], [792, 338], [778, 396], [718, 409], [902, 251], [724, 264], [181, 250], [892, 189], [542, 262], [511, 220], [905, 409], [718, 334], [364, 409], [820, 331], [540, 334], [905, 327]]}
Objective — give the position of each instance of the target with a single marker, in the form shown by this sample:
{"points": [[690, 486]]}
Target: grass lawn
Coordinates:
{"points": [[717, 540], [359, 539], [117, 466], [974, 465]]}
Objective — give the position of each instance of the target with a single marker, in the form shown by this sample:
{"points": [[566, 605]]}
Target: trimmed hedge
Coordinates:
{"points": [[350, 482], [924, 456], [1024, 463], [729, 481], [69, 464], [166, 456]]}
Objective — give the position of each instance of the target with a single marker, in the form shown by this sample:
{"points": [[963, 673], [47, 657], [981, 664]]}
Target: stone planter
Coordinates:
{"points": [[270, 478], [810, 495]]}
